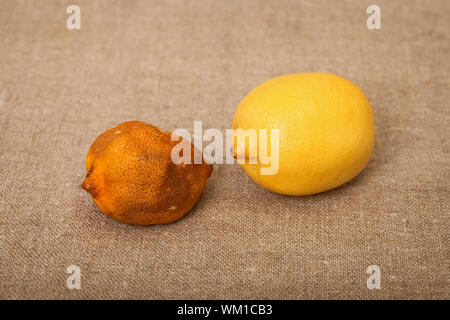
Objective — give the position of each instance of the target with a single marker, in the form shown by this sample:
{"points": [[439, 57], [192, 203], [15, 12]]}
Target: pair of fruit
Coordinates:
{"points": [[327, 136]]}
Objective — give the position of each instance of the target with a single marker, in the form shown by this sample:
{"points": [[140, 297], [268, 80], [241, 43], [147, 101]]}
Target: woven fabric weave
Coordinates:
{"points": [[169, 63]]}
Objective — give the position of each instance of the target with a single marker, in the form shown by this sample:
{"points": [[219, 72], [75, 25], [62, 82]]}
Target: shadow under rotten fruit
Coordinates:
{"points": [[131, 176]]}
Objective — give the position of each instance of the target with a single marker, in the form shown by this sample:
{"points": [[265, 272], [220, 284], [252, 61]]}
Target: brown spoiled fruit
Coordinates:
{"points": [[131, 176]]}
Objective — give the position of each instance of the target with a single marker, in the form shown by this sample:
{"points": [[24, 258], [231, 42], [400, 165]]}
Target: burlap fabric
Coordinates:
{"points": [[172, 62]]}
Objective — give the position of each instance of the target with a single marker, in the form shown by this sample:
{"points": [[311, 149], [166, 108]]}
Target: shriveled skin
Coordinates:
{"points": [[131, 176]]}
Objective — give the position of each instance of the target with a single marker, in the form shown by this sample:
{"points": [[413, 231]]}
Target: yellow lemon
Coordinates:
{"points": [[326, 131]]}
